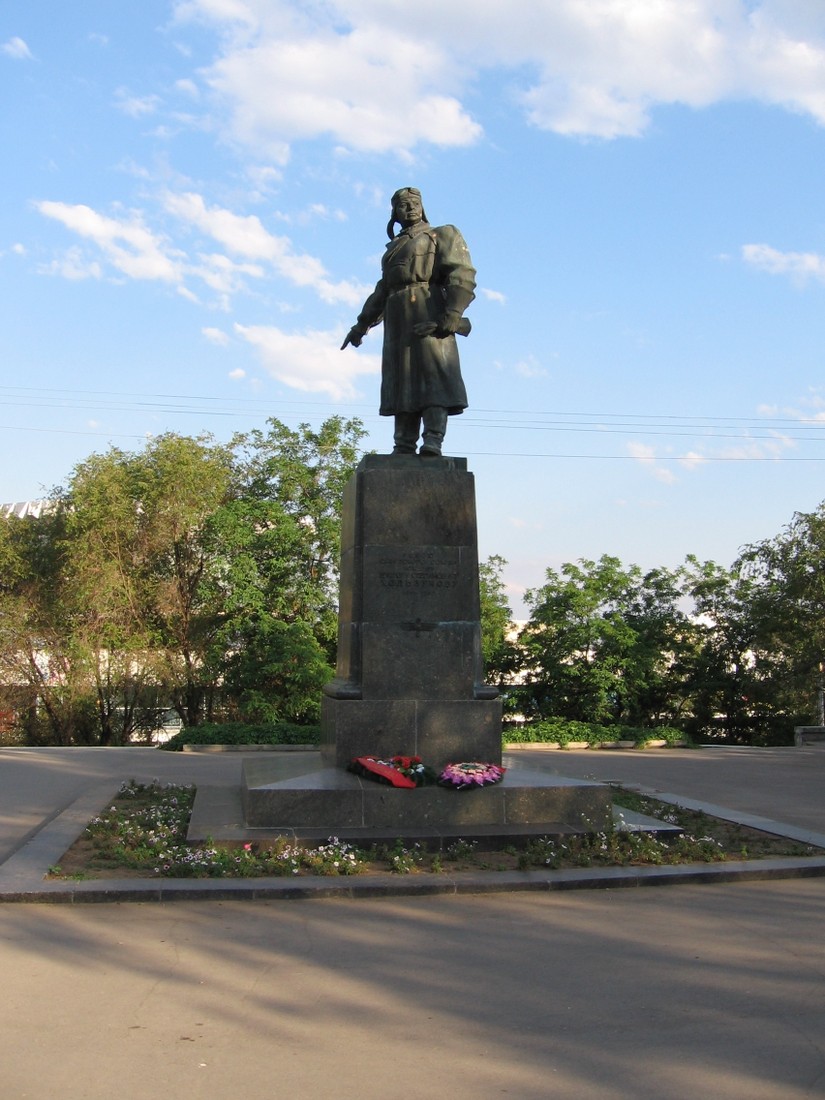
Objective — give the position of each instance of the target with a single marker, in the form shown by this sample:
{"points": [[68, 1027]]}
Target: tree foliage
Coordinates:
{"points": [[732, 653], [604, 643], [190, 575], [497, 646], [201, 577], [786, 575]]}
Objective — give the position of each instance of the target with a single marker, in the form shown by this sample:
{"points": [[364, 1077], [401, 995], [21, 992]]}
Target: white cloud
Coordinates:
{"points": [[493, 295], [370, 77], [646, 454], [521, 524], [223, 275], [812, 408], [263, 178], [760, 449], [237, 374], [692, 459], [74, 266], [188, 88], [530, 368], [310, 361], [799, 266], [136, 106], [246, 236], [229, 11], [663, 474], [340, 70], [137, 252], [127, 244], [322, 211], [747, 450], [190, 296], [216, 336], [368, 90], [243, 234], [16, 48]]}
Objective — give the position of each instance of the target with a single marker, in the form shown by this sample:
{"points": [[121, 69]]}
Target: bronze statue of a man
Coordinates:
{"points": [[427, 281]]}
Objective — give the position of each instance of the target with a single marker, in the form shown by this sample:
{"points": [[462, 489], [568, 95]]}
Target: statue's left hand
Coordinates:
{"points": [[442, 329], [448, 325]]}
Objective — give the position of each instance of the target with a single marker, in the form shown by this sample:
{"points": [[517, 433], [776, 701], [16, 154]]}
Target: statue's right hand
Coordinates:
{"points": [[354, 337]]}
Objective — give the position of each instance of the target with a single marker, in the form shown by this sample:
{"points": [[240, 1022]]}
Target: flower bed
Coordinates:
{"points": [[143, 834]]}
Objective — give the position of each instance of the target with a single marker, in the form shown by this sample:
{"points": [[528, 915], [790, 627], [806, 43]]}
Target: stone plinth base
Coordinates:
{"points": [[283, 796], [441, 731], [808, 735]]}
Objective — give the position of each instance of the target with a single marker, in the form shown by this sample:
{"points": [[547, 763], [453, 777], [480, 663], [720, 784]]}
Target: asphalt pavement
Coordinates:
{"points": [[651, 994]]}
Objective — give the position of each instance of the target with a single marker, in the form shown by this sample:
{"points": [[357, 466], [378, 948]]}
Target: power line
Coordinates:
{"points": [[626, 419], [691, 458], [72, 431], [702, 428], [697, 460]]}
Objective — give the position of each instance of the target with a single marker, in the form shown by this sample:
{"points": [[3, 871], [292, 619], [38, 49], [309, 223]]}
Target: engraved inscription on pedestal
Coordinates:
{"points": [[421, 582], [417, 569]]}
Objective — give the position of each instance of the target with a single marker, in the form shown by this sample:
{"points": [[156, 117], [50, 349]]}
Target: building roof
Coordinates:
{"points": [[24, 508]]}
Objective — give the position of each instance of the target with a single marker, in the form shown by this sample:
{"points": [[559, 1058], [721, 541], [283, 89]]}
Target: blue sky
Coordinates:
{"points": [[195, 196]]}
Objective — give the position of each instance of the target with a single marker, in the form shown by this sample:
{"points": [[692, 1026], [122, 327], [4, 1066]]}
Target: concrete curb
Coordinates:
{"points": [[489, 882], [22, 876]]}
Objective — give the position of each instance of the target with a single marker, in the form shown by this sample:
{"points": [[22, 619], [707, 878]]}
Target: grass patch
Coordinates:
{"points": [[143, 834]]}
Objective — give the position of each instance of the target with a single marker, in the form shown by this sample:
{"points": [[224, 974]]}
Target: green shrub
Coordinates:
{"points": [[560, 731], [239, 733], [661, 733]]}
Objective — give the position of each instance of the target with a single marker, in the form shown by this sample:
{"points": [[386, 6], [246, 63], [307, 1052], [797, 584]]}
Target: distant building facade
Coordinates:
{"points": [[23, 508]]}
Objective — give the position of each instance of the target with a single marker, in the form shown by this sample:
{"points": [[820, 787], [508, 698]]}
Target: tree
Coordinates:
{"points": [[497, 647], [190, 574], [291, 484], [276, 673], [731, 687], [280, 541], [39, 663], [138, 562], [604, 644], [787, 607]]}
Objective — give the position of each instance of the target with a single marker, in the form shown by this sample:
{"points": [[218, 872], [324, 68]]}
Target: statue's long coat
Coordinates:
{"points": [[425, 269]]}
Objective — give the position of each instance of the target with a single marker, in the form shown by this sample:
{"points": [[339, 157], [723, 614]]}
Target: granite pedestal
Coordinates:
{"points": [[410, 679]]}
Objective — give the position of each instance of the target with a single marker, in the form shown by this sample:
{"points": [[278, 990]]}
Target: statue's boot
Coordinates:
{"points": [[407, 427], [435, 427]]}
